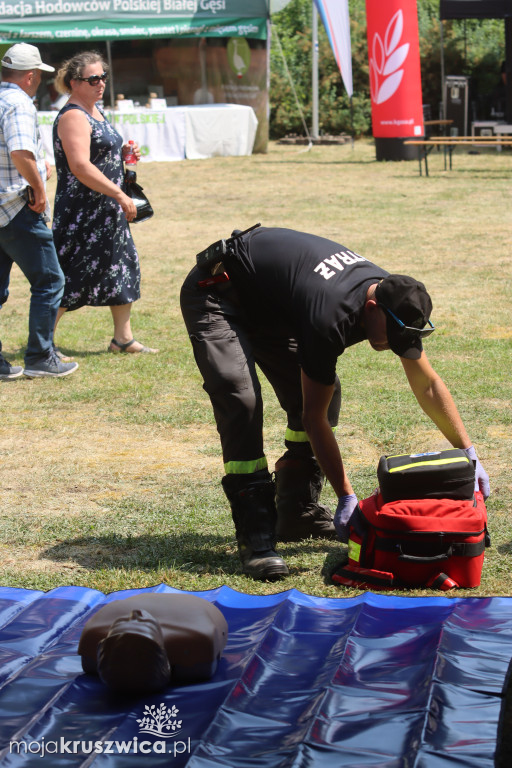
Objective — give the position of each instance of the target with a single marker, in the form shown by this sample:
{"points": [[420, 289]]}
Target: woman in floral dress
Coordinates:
{"points": [[90, 225]]}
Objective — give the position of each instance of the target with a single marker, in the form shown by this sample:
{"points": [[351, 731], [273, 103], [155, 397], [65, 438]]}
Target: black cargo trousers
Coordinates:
{"points": [[227, 348]]}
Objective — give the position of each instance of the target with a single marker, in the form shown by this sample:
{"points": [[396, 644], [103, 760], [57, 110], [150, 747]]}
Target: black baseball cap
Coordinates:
{"points": [[408, 307]]}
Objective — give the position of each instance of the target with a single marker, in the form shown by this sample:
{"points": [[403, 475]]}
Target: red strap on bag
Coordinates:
{"points": [[369, 578], [366, 578], [442, 582]]}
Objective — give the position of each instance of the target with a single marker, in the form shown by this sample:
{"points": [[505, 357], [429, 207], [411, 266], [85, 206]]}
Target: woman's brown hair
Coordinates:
{"points": [[72, 69]]}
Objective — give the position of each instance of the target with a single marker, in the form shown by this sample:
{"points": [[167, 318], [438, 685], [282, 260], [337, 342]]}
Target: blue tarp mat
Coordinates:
{"points": [[304, 682]]}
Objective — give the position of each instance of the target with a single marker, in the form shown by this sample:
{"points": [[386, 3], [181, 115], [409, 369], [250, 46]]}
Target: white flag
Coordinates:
{"points": [[336, 21]]}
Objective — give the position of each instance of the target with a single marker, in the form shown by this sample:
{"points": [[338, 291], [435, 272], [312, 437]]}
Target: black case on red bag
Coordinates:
{"points": [[448, 474]]}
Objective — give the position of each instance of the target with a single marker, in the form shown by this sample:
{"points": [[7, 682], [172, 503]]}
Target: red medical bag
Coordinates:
{"points": [[435, 543]]}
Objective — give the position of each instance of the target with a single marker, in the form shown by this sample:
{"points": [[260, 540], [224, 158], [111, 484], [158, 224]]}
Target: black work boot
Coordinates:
{"points": [[254, 514], [299, 481]]}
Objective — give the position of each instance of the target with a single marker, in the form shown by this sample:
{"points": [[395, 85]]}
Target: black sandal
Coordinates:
{"points": [[125, 347]]}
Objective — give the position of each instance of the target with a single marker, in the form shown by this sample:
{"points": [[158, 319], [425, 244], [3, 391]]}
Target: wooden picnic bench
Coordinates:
{"points": [[425, 146], [442, 124]]}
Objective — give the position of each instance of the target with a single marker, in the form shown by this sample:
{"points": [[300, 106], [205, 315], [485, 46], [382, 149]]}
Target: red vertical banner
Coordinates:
{"points": [[395, 74]]}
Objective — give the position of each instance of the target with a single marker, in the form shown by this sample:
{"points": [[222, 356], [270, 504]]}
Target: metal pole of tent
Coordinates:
{"points": [[465, 48], [315, 72], [508, 69], [442, 67], [269, 48], [111, 76]]}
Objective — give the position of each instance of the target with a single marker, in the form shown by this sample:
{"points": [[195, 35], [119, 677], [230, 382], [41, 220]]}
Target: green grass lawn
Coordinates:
{"points": [[111, 477]]}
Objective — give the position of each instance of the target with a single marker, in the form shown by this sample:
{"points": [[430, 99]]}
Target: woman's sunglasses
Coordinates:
{"points": [[93, 79]]}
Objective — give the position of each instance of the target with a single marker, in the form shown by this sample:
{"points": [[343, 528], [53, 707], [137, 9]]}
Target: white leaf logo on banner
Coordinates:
{"points": [[394, 31], [387, 59]]}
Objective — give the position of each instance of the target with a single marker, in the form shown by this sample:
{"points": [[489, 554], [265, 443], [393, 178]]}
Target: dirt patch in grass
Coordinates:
{"points": [[77, 469]]}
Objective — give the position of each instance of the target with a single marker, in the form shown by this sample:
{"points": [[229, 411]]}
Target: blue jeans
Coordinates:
{"points": [[28, 242]]}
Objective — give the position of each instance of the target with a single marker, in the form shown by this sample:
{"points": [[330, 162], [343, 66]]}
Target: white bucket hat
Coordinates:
{"points": [[24, 56]]}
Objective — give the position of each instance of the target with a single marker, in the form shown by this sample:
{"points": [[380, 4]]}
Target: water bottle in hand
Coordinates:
{"points": [[130, 159]]}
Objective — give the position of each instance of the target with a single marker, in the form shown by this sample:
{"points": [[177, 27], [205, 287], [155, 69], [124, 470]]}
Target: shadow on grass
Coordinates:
{"points": [[332, 562], [71, 352], [347, 161], [189, 552], [505, 548]]}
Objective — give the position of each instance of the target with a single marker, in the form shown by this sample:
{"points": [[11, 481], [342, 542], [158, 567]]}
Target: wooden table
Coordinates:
{"points": [[439, 123], [449, 144]]}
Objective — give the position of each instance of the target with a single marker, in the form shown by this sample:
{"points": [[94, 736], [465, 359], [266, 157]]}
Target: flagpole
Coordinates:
{"points": [[352, 122], [314, 132]]}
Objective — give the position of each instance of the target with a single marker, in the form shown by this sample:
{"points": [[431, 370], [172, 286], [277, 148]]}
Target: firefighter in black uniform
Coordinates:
{"points": [[291, 303]]}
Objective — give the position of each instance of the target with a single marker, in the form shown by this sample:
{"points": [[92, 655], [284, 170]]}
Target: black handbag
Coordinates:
{"points": [[134, 190]]}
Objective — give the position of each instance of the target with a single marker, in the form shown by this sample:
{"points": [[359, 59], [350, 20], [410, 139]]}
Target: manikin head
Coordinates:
{"points": [[132, 657]]}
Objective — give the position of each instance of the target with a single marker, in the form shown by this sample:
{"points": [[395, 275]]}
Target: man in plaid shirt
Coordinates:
{"points": [[25, 238]]}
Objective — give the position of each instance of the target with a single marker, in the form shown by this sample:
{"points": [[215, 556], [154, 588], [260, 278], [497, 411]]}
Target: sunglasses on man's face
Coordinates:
{"points": [[408, 329], [93, 79]]}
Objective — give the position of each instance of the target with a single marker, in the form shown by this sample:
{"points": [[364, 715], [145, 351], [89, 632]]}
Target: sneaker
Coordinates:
{"points": [[8, 371], [50, 366]]}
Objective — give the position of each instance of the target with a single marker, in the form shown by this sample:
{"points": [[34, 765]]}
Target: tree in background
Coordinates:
{"points": [[293, 26], [473, 47]]}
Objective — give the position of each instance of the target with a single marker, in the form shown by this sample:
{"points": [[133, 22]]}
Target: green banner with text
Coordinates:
{"points": [[63, 20]]}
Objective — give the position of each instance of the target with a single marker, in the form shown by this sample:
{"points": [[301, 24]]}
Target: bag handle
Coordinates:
{"points": [[459, 549], [431, 559]]}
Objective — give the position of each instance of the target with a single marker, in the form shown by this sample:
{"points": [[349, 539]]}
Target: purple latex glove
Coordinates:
{"points": [[481, 476], [344, 511]]}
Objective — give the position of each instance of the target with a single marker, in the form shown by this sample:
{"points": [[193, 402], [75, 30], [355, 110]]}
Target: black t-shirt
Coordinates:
{"points": [[313, 288]]}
